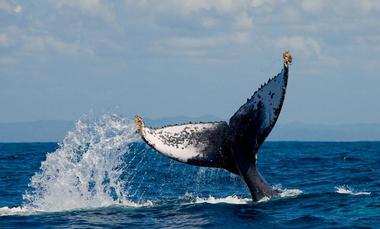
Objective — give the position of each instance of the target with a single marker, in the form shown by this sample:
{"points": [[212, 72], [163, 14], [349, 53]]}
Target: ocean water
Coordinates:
{"points": [[103, 176]]}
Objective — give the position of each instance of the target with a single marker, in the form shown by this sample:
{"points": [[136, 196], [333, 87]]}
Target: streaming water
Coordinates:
{"points": [[85, 171]]}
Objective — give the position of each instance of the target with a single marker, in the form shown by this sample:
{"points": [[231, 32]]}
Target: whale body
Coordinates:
{"points": [[231, 146]]}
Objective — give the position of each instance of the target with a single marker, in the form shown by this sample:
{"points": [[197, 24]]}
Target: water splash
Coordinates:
{"points": [[192, 198], [6, 211], [345, 189], [98, 164], [284, 192], [85, 171], [228, 200]]}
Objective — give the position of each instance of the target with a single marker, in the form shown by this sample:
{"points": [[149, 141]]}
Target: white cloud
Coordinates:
{"points": [[200, 47], [206, 42], [193, 27], [99, 8], [370, 41], [243, 21], [4, 40], [17, 9], [261, 3], [291, 14], [209, 22], [26, 42], [305, 45], [188, 7], [10, 7], [236, 14], [312, 5], [35, 44], [93, 6], [6, 6], [369, 5]]}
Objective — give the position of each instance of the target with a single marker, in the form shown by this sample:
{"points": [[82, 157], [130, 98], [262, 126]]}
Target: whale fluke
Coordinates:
{"points": [[232, 146]]}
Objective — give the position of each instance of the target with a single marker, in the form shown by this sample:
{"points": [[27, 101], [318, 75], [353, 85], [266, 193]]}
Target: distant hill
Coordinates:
{"points": [[37, 131], [54, 131], [179, 120], [323, 132]]}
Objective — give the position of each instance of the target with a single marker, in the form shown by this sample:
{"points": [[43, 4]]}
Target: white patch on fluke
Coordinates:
{"points": [[179, 141]]}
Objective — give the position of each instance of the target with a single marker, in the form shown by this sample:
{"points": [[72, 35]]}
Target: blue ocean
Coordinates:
{"points": [[103, 176]]}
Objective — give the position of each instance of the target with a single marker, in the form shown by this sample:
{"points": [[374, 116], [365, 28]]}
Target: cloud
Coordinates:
{"points": [[55, 37], [206, 42], [209, 12], [10, 7], [99, 8], [188, 7], [204, 49], [369, 5], [262, 3], [195, 27], [312, 5], [244, 21], [4, 40], [6, 60], [370, 41], [35, 44], [19, 43], [305, 45], [222, 6], [17, 9]]}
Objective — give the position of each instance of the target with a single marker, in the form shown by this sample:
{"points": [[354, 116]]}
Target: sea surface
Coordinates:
{"points": [[103, 176]]}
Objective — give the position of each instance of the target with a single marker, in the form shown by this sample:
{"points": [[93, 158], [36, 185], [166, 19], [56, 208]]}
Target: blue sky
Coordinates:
{"points": [[62, 59]]}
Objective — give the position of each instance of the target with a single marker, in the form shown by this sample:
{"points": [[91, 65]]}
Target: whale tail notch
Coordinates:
{"points": [[232, 146]]}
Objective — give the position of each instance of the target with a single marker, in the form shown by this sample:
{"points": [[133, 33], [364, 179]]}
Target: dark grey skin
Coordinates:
{"points": [[247, 137], [232, 146]]}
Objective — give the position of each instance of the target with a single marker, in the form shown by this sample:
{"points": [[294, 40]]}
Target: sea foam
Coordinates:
{"points": [[228, 200], [344, 189]]}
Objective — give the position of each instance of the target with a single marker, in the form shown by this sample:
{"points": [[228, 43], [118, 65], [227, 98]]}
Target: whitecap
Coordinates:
{"points": [[7, 211], [284, 192], [233, 199], [345, 189], [264, 199]]}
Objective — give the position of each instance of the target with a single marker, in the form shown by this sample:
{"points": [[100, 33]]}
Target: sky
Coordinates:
{"points": [[61, 59]]}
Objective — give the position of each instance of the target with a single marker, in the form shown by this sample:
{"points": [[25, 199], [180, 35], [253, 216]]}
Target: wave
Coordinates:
{"points": [[7, 211], [227, 200], [25, 211], [285, 192], [345, 189], [234, 199]]}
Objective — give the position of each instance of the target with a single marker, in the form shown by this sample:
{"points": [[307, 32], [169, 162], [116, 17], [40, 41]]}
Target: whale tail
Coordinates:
{"points": [[232, 146]]}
